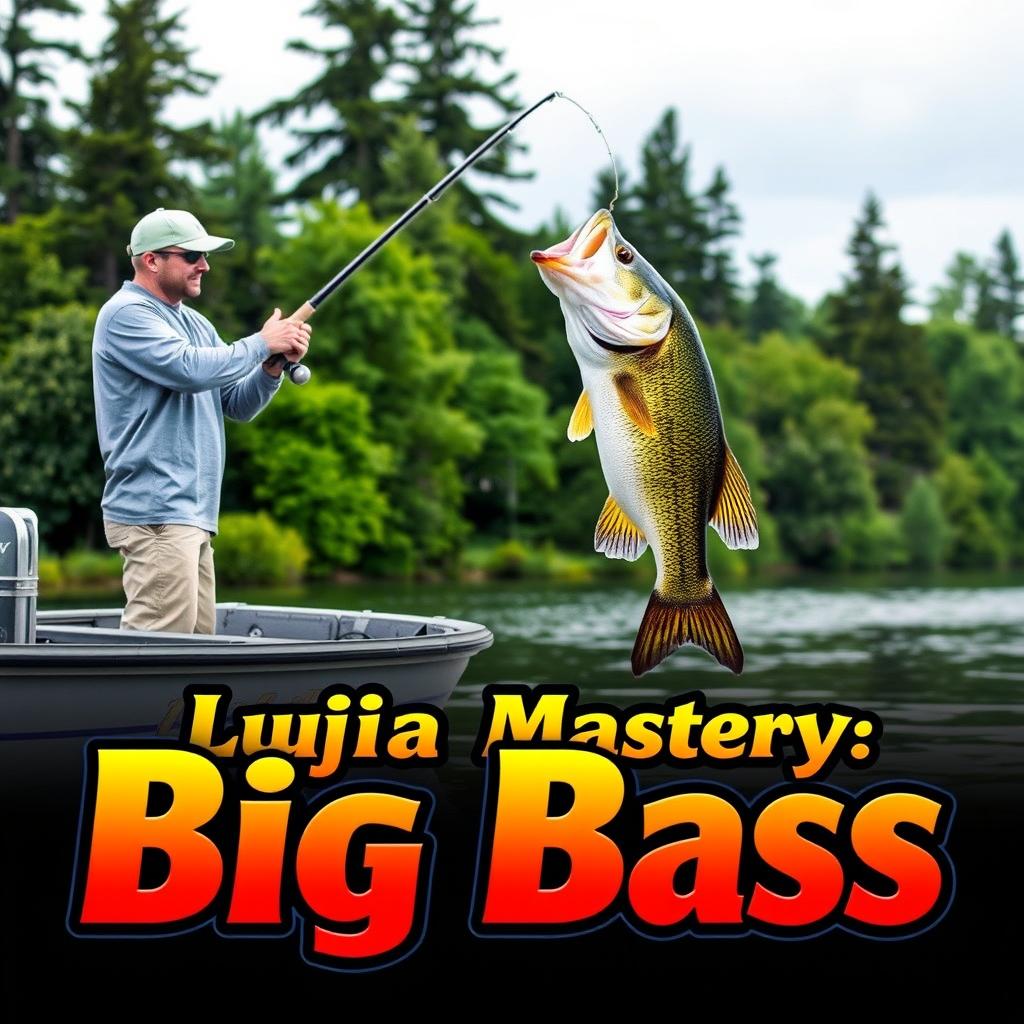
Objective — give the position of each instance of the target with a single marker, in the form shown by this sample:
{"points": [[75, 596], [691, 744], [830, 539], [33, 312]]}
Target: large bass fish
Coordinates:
{"points": [[649, 397]]}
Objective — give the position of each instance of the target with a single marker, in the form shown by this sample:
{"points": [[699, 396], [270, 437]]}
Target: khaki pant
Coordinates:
{"points": [[168, 577]]}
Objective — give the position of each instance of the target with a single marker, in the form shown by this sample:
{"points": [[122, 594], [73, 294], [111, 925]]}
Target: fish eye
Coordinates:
{"points": [[623, 254]]}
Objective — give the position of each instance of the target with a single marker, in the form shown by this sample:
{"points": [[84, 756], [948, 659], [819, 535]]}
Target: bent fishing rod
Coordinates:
{"points": [[300, 373]]}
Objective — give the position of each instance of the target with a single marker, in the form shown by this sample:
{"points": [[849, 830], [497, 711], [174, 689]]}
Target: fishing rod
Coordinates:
{"points": [[300, 373]]}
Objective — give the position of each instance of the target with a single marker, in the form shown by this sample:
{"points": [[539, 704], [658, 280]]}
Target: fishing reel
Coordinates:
{"points": [[298, 373]]}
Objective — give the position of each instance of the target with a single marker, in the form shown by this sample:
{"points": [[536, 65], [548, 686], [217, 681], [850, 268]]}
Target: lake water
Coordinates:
{"points": [[942, 665]]}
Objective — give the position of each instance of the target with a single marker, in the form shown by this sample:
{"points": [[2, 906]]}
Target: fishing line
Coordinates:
{"points": [[298, 372], [604, 139]]}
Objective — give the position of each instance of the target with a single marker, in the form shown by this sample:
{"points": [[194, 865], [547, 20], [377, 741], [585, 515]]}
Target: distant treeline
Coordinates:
{"points": [[442, 379]]}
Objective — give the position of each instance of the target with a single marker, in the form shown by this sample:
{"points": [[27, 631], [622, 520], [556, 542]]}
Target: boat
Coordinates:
{"points": [[83, 676]]}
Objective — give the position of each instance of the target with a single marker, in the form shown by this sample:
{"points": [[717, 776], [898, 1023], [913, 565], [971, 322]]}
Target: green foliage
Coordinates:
{"points": [[446, 80], [255, 550], [508, 560], [313, 463], [122, 149], [389, 335], [898, 382], [1008, 287], [925, 530], [683, 234], [771, 307], [984, 380], [237, 201], [662, 214], [436, 365], [50, 576], [84, 568], [783, 378], [31, 275], [516, 453], [348, 149], [49, 460], [513, 560], [955, 300], [28, 139], [974, 538]]}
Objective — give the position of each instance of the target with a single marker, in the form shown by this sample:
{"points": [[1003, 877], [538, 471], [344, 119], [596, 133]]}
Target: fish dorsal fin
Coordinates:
{"points": [[616, 535], [734, 517], [581, 422], [634, 404]]}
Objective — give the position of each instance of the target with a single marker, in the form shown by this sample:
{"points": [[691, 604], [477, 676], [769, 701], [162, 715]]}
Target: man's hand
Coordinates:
{"points": [[289, 338]]}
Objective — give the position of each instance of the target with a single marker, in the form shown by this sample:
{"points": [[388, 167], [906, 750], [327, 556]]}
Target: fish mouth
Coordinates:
{"points": [[581, 245], [610, 346]]}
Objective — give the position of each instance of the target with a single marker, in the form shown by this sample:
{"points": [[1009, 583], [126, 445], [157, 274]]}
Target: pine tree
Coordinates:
{"points": [[349, 149], [28, 137], [898, 381], [955, 300], [1008, 286], [771, 307], [238, 199], [122, 150], [446, 78], [718, 301], [669, 218], [683, 234]]}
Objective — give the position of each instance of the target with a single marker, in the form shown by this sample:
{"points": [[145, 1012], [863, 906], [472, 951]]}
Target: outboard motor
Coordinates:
{"points": [[19, 575]]}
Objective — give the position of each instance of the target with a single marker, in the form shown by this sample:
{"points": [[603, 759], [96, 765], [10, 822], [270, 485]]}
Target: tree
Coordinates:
{"points": [[314, 464], [956, 299], [49, 460], [349, 149], [31, 274], [410, 166], [898, 382], [925, 530], [1008, 286], [718, 300], [771, 308], [446, 81], [29, 139], [669, 219], [390, 337], [122, 151], [517, 450], [974, 540], [681, 233], [238, 199]]}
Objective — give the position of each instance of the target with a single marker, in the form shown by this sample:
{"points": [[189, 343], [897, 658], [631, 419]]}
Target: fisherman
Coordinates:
{"points": [[163, 381]]}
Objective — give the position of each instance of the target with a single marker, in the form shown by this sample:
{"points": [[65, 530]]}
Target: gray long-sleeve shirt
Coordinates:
{"points": [[163, 382]]}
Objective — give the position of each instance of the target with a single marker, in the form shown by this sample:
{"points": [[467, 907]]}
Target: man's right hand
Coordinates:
{"points": [[289, 338]]}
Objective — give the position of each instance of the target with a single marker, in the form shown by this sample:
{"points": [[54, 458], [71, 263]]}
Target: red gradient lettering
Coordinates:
{"points": [[121, 831]]}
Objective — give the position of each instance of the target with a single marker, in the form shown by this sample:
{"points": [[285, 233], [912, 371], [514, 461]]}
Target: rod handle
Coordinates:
{"points": [[297, 372]]}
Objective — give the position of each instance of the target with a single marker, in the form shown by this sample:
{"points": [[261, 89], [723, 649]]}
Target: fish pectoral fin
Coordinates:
{"points": [[734, 517], [634, 404], [581, 422], [616, 535], [669, 624]]}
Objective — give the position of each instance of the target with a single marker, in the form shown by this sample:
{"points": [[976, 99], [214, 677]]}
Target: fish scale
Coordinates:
{"points": [[649, 396]]}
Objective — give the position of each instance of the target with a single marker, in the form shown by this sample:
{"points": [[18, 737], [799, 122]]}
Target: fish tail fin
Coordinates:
{"points": [[668, 625]]}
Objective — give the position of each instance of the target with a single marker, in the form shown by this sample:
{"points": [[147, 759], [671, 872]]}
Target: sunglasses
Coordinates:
{"points": [[189, 257]]}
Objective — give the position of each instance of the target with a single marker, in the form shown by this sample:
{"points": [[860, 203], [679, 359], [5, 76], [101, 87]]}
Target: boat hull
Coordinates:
{"points": [[85, 678]]}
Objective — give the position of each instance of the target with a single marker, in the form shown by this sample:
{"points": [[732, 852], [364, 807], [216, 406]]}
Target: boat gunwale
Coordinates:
{"points": [[461, 637]]}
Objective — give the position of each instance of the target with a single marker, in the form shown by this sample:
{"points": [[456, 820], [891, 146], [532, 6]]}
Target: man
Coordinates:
{"points": [[163, 382]]}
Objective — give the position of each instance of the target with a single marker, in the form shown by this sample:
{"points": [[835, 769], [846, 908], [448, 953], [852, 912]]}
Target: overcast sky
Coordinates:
{"points": [[807, 105]]}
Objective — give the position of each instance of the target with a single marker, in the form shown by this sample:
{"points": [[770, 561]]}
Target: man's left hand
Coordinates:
{"points": [[275, 367]]}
